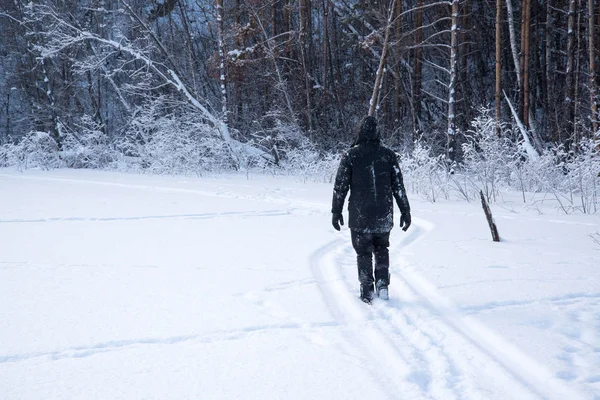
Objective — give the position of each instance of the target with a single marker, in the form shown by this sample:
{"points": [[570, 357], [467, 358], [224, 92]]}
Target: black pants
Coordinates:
{"points": [[365, 245]]}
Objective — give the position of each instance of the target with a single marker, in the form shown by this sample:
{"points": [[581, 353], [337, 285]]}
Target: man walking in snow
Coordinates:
{"points": [[372, 174]]}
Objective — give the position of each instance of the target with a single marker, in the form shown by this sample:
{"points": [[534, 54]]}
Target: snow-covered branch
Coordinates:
{"points": [[527, 146], [61, 35]]}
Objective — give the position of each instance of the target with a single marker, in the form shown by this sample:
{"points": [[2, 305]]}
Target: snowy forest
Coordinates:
{"points": [[473, 95]]}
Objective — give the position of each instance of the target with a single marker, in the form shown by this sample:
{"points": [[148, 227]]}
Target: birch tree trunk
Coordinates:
{"points": [[451, 140], [373, 104], [55, 129], [222, 71], [498, 64], [592, 55], [526, 67], [513, 40]]}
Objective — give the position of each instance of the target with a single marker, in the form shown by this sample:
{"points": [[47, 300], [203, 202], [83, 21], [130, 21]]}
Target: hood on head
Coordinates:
{"points": [[367, 131]]}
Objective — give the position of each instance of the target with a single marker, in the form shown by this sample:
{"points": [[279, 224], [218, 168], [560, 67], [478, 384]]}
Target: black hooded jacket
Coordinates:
{"points": [[372, 174]]}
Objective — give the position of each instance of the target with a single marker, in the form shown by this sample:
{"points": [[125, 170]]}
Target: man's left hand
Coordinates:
{"points": [[405, 221]]}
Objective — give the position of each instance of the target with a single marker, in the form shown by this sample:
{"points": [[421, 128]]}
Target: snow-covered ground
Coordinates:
{"points": [[120, 286]]}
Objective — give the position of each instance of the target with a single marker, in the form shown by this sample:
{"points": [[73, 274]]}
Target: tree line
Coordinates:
{"points": [[254, 71]]}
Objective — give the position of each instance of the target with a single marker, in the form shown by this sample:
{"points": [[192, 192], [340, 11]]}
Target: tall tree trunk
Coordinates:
{"points": [[325, 47], [498, 64], [222, 61], [56, 127], [570, 87], [274, 23], [451, 143], [464, 90], [7, 133], [592, 55], [597, 138], [418, 71], [304, 50], [524, 65], [287, 16], [374, 103], [335, 66], [398, 58], [549, 100], [513, 40], [237, 89], [598, 49], [577, 73]]}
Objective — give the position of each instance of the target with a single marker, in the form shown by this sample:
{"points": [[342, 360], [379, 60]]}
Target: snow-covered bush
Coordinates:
{"points": [[165, 139], [168, 143], [571, 178], [487, 163], [488, 158], [294, 153], [36, 150], [309, 164], [5, 155], [585, 172], [89, 147], [424, 173], [178, 147], [326, 169]]}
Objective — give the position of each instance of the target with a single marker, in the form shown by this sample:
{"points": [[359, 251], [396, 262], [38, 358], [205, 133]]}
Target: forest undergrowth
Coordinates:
{"points": [[490, 163]]}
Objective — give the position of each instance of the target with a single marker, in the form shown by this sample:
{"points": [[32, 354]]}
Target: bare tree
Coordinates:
{"points": [[304, 52], [513, 40], [222, 61], [550, 84], [524, 61], [317, 61], [498, 94], [451, 144], [398, 57], [373, 104], [570, 72], [592, 67], [418, 69], [63, 35]]}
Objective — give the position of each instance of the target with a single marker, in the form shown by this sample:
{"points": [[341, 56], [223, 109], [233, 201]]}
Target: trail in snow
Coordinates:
{"points": [[418, 344]]}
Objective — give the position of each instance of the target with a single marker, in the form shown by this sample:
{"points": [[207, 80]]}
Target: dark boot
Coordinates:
{"points": [[381, 286], [366, 293], [365, 270]]}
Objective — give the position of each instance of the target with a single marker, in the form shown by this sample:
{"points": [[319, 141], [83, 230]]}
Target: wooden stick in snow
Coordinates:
{"points": [[490, 218]]}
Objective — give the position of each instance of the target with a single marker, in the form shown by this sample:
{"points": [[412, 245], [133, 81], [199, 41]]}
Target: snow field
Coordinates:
{"points": [[126, 286]]}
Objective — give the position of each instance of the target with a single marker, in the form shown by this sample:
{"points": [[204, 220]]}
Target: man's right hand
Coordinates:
{"points": [[405, 221], [337, 220]]}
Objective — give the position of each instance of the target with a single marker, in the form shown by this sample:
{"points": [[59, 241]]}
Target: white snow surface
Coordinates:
{"points": [[124, 286]]}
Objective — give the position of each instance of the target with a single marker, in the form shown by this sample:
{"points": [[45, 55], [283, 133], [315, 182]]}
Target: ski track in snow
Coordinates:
{"points": [[418, 345], [211, 337], [220, 192], [240, 214]]}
